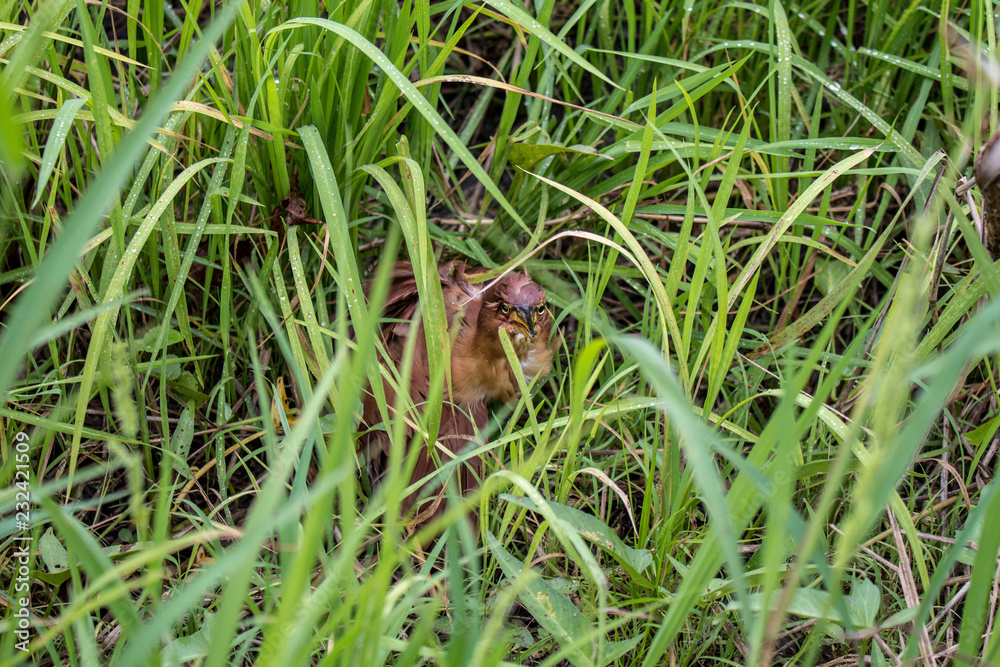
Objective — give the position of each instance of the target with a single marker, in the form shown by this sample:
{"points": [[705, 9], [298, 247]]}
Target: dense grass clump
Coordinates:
{"points": [[771, 432]]}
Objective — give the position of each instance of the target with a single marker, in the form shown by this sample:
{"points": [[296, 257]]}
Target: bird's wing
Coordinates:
{"points": [[401, 304], [461, 300], [403, 297]]}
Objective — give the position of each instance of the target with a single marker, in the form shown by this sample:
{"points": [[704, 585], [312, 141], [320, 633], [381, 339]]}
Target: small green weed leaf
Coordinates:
{"points": [[53, 552], [807, 602], [614, 650], [51, 579], [526, 156], [877, 657], [901, 617], [983, 432], [553, 610], [188, 387], [521, 636], [192, 647], [328, 424], [862, 603], [170, 371], [148, 342], [180, 439], [831, 276], [974, 526]]}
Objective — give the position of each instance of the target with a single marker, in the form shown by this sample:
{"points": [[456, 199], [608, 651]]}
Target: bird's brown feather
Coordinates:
{"points": [[480, 371]]}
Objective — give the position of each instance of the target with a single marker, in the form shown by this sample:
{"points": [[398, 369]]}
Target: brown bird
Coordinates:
{"points": [[480, 370]]}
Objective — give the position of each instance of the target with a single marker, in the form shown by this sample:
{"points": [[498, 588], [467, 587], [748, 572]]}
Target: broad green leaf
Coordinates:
{"points": [[52, 552], [863, 604], [180, 440], [148, 343], [553, 610]]}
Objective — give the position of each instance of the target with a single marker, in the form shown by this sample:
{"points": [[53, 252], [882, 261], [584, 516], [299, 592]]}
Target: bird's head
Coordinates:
{"points": [[515, 303]]}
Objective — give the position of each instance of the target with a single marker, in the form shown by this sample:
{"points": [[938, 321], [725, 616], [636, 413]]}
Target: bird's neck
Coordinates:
{"points": [[480, 370]]}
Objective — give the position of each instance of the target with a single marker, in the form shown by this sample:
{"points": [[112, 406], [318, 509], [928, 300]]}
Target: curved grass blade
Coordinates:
{"points": [[644, 264], [541, 32], [53, 146]]}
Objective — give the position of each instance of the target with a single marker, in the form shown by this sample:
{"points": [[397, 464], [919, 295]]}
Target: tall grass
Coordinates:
{"points": [[771, 430]]}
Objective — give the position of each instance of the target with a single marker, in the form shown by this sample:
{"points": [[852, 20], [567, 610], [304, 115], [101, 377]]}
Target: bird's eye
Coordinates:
{"points": [[504, 309]]}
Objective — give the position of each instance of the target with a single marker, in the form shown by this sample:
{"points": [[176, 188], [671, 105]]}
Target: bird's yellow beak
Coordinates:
{"points": [[522, 318]]}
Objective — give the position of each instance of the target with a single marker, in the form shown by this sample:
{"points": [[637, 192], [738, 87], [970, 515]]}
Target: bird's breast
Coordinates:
{"points": [[536, 361], [481, 380], [481, 371]]}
